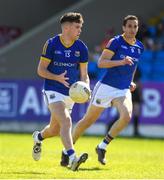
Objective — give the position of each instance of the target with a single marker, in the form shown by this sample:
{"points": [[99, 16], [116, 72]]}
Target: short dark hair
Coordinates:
{"points": [[129, 17], [71, 17]]}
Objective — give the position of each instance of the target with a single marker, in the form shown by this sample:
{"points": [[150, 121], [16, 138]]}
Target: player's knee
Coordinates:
{"points": [[126, 116]]}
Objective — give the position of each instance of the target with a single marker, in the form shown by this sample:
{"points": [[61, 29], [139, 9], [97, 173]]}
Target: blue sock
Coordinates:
{"points": [[40, 137], [108, 138], [70, 152], [105, 141]]}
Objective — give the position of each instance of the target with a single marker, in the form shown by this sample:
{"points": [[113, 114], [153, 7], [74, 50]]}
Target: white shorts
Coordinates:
{"points": [[53, 96], [103, 94]]}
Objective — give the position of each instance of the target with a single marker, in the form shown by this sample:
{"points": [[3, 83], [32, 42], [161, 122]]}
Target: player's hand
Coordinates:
{"points": [[128, 60], [132, 86], [63, 79]]}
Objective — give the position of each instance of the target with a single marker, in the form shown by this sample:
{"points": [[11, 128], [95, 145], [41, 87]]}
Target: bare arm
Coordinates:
{"points": [[134, 74], [84, 73], [133, 85], [45, 73], [106, 62]]}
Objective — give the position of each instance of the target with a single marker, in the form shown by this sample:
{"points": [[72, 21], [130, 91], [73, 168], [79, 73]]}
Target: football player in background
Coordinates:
{"points": [[120, 57], [64, 59]]}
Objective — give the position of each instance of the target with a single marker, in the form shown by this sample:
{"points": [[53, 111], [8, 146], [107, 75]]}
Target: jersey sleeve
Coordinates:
{"points": [[47, 52], [112, 45], [83, 53]]}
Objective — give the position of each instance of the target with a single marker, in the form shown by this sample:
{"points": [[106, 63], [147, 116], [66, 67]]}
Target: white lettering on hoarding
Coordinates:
{"points": [[30, 102], [151, 106], [8, 99]]}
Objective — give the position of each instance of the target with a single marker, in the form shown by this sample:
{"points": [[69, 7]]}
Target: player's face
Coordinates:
{"points": [[75, 30], [131, 28]]}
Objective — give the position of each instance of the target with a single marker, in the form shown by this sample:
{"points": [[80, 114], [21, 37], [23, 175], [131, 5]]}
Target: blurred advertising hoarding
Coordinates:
{"points": [[21, 100]]}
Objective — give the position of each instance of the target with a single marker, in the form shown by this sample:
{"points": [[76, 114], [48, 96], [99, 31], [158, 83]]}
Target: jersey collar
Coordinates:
{"points": [[67, 46], [123, 35]]}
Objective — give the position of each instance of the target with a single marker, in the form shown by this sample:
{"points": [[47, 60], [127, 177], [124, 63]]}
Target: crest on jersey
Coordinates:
{"points": [[132, 49], [77, 53]]}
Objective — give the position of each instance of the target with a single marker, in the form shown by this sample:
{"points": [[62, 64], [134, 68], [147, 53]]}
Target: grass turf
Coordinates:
{"points": [[127, 158]]}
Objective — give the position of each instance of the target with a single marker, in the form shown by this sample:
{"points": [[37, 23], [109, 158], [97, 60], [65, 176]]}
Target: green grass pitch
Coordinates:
{"points": [[127, 158]]}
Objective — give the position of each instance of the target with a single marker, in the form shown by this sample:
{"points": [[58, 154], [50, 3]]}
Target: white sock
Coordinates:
{"points": [[102, 145], [65, 151], [71, 158], [36, 137]]}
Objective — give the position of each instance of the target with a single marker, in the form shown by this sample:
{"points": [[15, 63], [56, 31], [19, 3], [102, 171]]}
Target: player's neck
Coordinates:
{"points": [[66, 40], [130, 40]]}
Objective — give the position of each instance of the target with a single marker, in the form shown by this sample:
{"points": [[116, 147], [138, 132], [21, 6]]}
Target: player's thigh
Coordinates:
{"points": [[124, 106], [60, 113], [93, 113]]}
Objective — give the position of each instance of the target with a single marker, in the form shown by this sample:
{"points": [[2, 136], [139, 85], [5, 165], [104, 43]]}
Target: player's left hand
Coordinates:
{"points": [[132, 86]]}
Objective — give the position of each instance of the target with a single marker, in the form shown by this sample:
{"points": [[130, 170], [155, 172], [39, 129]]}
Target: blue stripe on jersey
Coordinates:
{"points": [[121, 76], [63, 58]]}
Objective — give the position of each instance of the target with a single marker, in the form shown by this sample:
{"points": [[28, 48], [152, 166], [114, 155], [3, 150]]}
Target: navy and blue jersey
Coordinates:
{"points": [[121, 76], [63, 58]]}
